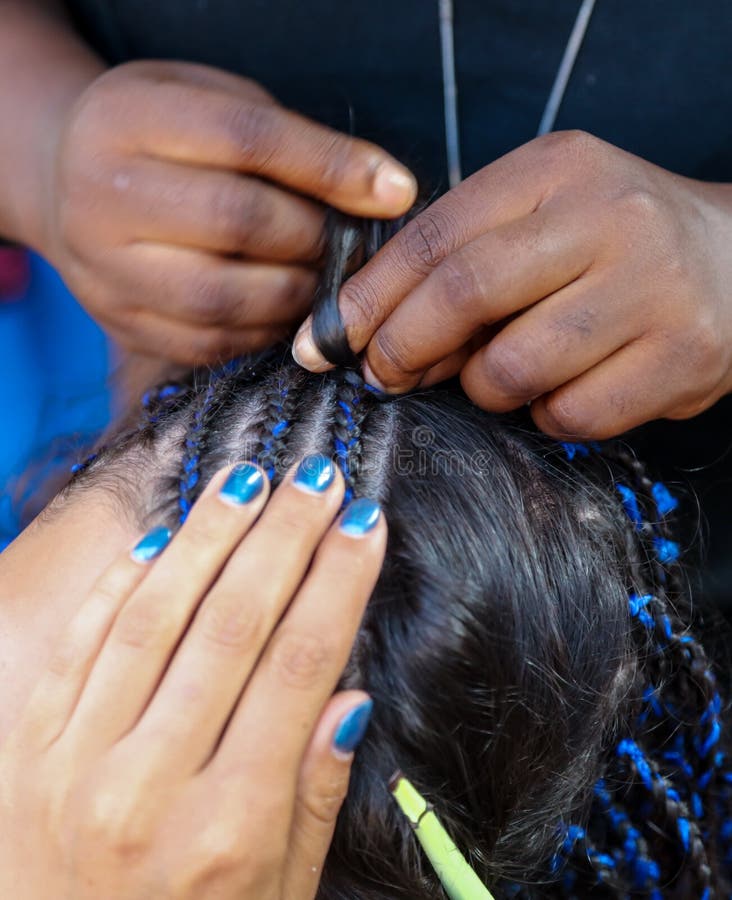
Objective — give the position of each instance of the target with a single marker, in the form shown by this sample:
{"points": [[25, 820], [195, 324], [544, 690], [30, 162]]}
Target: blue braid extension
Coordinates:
{"points": [[85, 463], [645, 872], [150, 402], [342, 448], [656, 784], [280, 424], [190, 473], [575, 842], [703, 745], [573, 449], [346, 443]]}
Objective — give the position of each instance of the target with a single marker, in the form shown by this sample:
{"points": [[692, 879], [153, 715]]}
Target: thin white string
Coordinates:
{"points": [[449, 85], [449, 81], [564, 72]]}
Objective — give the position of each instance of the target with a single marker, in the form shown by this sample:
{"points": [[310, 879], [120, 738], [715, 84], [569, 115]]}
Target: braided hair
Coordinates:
{"points": [[531, 646]]}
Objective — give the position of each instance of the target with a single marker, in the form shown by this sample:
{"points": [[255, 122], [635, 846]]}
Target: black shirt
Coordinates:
{"points": [[653, 76]]}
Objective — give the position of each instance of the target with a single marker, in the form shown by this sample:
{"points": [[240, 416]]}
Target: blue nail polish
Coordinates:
{"points": [[352, 727], [315, 473], [245, 482], [152, 544], [360, 517]]}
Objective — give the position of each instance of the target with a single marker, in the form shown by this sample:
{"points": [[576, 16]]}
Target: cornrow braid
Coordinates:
{"points": [[160, 401], [193, 445], [157, 403], [352, 408], [279, 416]]}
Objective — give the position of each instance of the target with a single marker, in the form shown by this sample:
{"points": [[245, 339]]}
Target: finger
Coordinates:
{"points": [[55, 696], [301, 665], [497, 275], [509, 189], [212, 210], [640, 382], [188, 345], [451, 365], [148, 628], [554, 342], [265, 139], [205, 76], [200, 288], [322, 788], [222, 645]]}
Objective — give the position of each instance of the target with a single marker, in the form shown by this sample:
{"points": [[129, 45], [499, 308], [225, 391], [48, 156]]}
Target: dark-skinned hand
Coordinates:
{"points": [[568, 274]]}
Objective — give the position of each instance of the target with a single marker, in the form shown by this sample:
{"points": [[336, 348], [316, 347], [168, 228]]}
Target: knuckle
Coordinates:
{"points": [[690, 410], [210, 345], [112, 822], [566, 418], [360, 301], [703, 350], [146, 623], [199, 533], [227, 625], [561, 151], [458, 285], [247, 127], [67, 660], [292, 529], [427, 239], [236, 216], [389, 355], [508, 368], [222, 851], [300, 660], [334, 163], [639, 204], [323, 800], [208, 300]]}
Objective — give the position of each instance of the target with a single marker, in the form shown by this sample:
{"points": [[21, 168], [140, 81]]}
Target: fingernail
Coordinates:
{"points": [[245, 482], [360, 517], [306, 354], [395, 185], [315, 473], [371, 379], [352, 727], [152, 544]]}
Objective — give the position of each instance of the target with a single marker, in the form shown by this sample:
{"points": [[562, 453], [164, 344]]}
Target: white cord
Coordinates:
{"points": [[565, 67], [449, 84]]}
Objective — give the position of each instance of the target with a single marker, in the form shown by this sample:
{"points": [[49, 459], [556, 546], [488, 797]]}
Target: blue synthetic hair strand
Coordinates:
{"points": [[682, 771]]}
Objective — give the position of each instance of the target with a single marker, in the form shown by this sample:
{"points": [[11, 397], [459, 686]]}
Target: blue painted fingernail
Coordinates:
{"points": [[352, 727], [245, 482], [360, 517], [152, 544], [315, 473]]}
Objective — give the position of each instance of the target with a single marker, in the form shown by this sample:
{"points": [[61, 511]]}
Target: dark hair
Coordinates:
{"points": [[528, 645]]}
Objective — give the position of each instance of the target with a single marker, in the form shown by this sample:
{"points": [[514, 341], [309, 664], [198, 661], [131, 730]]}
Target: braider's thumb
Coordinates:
{"points": [[322, 788]]}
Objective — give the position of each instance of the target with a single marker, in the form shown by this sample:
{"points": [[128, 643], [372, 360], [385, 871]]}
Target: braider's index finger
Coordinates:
{"points": [[196, 124]]}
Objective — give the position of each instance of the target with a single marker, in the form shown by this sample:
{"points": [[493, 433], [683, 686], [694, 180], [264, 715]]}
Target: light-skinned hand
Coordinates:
{"points": [[184, 741]]}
